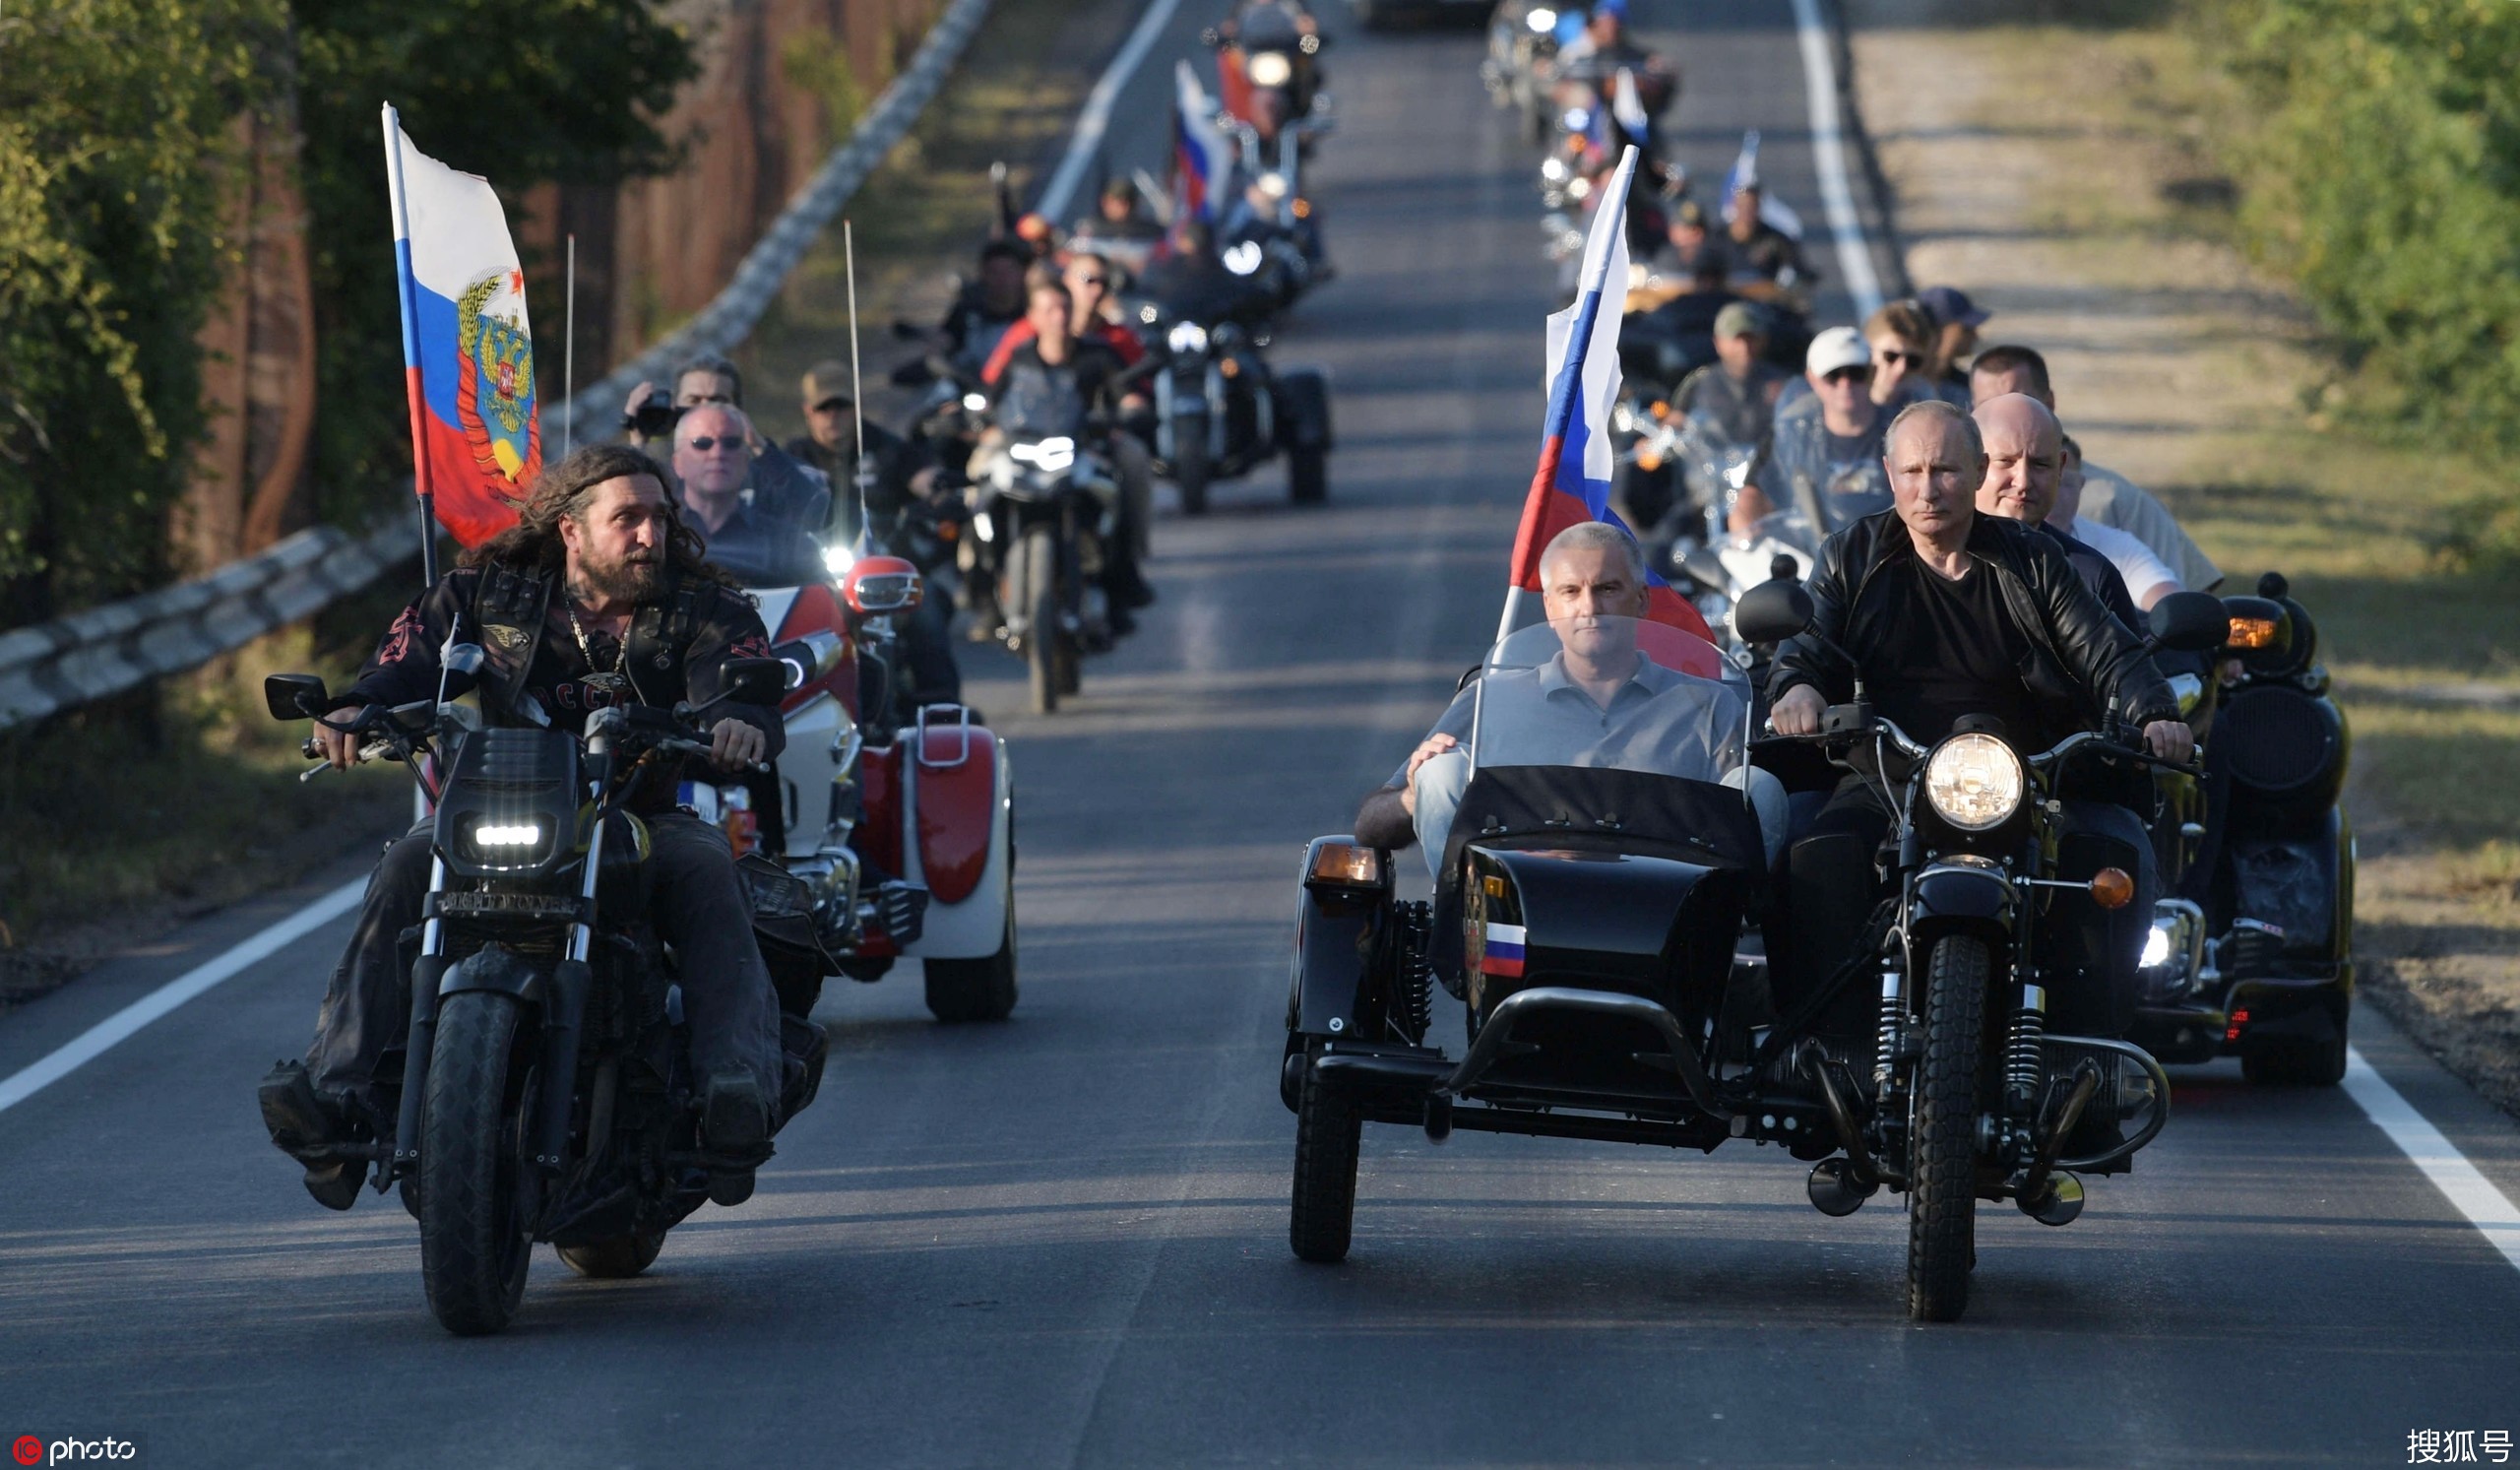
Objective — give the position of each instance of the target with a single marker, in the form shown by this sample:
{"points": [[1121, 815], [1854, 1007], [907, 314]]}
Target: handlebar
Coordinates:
{"points": [[1850, 730]]}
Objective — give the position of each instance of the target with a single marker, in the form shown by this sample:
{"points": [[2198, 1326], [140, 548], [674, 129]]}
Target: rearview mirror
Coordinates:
{"points": [[2189, 623], [753, 681], [1772, 612], [294, 696]]}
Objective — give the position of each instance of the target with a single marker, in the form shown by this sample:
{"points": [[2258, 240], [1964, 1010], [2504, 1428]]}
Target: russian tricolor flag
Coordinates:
{"points": [[1576, 458], [468, 350], [1500, 951], [1202, 154]]}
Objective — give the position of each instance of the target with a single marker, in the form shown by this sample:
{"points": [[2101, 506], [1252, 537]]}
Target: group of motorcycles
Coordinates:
{"points": [[1609, 914], [1202, 293]]}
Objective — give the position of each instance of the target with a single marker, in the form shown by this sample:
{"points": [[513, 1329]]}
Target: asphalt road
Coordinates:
{"points": [[1062, 1239]]}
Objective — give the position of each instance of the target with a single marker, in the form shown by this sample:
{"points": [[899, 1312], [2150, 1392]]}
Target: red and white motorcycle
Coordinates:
{"points": [[899, 825]]}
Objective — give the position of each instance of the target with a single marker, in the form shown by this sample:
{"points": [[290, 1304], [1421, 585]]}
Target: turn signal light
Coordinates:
{"points": [[1348, 864], [2110, 888], [2252, 633], [1303, 208]]}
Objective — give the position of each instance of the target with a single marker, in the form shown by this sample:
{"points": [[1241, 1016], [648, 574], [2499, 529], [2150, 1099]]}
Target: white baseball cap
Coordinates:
{"points": [[1836, 349]]}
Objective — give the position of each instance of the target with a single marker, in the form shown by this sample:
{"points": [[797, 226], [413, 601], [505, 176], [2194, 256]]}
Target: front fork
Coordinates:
{"points": [[563, 1028]]}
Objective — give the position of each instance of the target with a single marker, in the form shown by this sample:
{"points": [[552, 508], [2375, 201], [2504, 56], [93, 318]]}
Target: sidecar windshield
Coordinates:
{"points": [[1611, 693]]}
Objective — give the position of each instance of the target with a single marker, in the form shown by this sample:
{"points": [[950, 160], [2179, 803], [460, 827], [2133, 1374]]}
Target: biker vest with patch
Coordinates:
{"points": [[512, 607]]}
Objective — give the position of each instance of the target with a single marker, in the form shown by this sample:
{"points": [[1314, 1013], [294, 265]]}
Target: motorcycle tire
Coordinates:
{"points": [[615, 1259], [1035, 586], [474, 1242], [1324, 1212], [1942, 1133], [980, 989], [1307, 475], [1190, 469], [2319, 1063]]}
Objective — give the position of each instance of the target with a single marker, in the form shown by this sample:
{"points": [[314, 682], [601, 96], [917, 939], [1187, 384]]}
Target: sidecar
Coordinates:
{"points": [[2254, 958], [1588, 916]]}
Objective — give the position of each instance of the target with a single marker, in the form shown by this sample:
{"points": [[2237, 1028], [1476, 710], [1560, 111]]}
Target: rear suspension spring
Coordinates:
{"points": [[1413, 1006], [1894, 1021]]}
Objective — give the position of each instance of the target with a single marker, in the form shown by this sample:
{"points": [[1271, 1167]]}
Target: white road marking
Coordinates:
{"points": [[1096, 119], [2488, 1208], [1829, 157], [102, 1037]]}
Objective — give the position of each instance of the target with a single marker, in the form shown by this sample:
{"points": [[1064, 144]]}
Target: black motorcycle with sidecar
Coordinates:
{"points": [[1590, 899], [2252, 953]]}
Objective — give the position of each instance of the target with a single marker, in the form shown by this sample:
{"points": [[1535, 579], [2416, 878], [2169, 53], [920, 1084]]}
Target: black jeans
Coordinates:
{"points": [[2091, 953], [698, 907]]}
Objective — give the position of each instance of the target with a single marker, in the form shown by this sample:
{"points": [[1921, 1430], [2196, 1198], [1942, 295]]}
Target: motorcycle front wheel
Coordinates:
{"points": [[1190, 469], [1942, 1135], [1034, 589], [475, 1242]]}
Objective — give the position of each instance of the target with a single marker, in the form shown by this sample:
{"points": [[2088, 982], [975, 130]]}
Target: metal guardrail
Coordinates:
{"points": [[88, 655], [107, 650]]}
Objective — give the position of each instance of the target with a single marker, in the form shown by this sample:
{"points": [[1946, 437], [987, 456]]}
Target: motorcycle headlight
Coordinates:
{"points": [[838, 559], [1974, 782], [1244, 258], [2156, 948], [1542, 19], [1187, 337], [495, 843], [977, 402], [1271, 69]]}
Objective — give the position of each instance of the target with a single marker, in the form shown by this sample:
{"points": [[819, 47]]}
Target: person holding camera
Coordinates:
{"points": [[777, 486]]}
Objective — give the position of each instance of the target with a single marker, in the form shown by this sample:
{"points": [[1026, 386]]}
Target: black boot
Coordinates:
{"points": [[735, 1123], [307, 1126]]}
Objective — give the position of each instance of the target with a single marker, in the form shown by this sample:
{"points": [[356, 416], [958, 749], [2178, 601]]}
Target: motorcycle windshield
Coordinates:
{"points": [[1611, 693], [1854, 489]]}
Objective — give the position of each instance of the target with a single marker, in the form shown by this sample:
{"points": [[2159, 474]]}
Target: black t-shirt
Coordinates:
{"points": [[1942, 649]]}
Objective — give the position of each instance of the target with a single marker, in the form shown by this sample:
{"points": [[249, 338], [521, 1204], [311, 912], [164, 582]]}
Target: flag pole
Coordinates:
{"points": [[411, 389], [569, 356], [858, 408]]}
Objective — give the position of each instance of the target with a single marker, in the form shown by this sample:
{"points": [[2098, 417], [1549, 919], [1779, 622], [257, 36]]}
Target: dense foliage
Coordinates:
{"points": [[113, 164], [520, 92], [2383, 173], [114, 161]]}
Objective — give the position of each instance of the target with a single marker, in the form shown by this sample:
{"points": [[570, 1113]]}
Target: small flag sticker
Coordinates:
{"points": [[1502, 953]]}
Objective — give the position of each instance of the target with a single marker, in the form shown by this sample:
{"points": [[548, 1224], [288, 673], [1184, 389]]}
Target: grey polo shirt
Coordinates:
{"points": [[1659, 720]]}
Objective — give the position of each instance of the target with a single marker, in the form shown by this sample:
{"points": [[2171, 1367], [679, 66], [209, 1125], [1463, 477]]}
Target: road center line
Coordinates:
{"points": [[2488, 1208], [1096, 119], [1829, 159], [102, 1037]]}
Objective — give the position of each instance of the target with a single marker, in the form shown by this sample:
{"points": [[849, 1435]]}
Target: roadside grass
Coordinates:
{"points": [[123, 818], [920, 218], [2104, 218]]}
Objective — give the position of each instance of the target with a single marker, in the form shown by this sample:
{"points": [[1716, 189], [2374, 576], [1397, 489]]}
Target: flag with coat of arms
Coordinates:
{"points": [[467, 347], [1576, 455]]}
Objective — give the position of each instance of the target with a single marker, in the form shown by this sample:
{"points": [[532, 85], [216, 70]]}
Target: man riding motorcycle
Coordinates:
{"points": [[1948, 614], [1824, 451], [2025, 472], [598, 597], [1058, 383]]}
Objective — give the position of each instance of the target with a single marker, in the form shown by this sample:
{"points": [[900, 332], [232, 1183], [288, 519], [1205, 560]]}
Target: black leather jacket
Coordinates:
{"points": [[2083, 662]]}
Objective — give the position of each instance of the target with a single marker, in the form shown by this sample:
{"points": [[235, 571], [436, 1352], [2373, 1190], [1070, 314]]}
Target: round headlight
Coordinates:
{"points": [[1974, 782], [1187, 337], [1271, 69], [1542, 19]]}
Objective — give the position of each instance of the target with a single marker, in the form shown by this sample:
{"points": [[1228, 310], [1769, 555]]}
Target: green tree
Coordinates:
{"points": [[113, 164], [522, 92]]}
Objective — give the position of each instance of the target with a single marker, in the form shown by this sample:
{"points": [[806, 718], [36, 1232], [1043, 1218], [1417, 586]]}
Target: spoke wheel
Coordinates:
{"points": [[1942, 1142]]}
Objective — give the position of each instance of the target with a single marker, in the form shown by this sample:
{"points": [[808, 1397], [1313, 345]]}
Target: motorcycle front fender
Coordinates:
{"points": [[497, 967], [1959, 900], [1338, 935]]}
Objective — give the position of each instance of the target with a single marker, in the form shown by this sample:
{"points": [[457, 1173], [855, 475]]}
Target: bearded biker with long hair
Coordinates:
{"points": [[598, 595]]}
